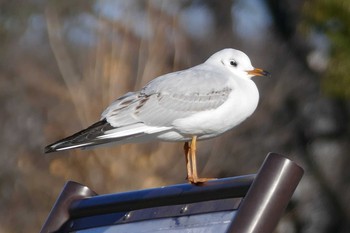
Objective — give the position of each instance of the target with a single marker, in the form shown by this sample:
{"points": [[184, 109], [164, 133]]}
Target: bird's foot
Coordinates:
{"points": [[199, 181]]}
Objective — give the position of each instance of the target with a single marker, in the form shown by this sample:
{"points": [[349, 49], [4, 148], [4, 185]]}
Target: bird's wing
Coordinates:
{"points": [[136, 116], [170, 97]]}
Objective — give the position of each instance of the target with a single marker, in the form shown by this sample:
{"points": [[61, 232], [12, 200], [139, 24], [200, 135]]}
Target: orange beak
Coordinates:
{"points": [[259, 72]]}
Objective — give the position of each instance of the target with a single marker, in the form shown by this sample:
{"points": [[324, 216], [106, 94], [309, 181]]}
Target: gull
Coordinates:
{"points": [[198, 103]]}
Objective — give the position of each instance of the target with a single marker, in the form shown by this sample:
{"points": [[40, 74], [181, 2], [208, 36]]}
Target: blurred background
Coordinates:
{"points": [[63, 62]]}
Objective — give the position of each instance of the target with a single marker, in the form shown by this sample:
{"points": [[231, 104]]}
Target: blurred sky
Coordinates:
{"points": [[250, 19]]}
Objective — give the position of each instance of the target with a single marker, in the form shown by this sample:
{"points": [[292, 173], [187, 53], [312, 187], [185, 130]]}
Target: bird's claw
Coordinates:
{"points": [[199, 181]]}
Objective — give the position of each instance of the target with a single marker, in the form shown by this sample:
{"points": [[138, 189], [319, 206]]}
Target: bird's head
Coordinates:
{"points": [[236, 62]]}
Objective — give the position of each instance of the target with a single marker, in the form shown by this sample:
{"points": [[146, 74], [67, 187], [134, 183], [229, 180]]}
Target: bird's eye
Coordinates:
{"points": [[233, 63]]}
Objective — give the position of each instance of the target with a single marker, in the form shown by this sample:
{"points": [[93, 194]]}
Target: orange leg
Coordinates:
{"points": [[193, 149], [191, 162]]}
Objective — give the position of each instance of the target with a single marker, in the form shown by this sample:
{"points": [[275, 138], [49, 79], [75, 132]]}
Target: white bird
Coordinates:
{"points": [[197, 103]]}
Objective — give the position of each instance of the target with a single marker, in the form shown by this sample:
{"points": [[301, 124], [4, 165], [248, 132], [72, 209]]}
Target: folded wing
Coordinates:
{"points": [[136, 116]]}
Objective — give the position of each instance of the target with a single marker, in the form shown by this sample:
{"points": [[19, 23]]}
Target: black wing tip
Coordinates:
{"points": [[66, 143], [49, 149], [55, 147]]}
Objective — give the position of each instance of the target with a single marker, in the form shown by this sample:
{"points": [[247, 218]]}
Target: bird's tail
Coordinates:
{"points": [[84, 138], [102, 132]]}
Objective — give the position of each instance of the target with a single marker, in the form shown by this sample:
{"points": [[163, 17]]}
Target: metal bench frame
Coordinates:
{"points": [[259, 201]]}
